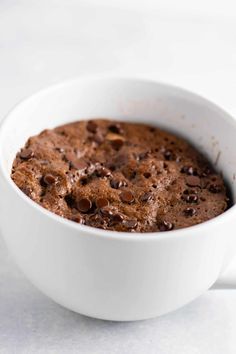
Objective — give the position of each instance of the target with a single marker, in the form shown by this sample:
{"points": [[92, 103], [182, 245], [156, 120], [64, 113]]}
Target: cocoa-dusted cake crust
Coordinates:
{"points": [[119, 176]]}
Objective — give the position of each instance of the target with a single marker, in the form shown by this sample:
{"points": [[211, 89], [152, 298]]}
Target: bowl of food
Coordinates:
{"points": [[117, 195]]}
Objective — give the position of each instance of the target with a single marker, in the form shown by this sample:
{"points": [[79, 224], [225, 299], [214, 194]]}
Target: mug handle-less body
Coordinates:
{"points": [[226, 280]]}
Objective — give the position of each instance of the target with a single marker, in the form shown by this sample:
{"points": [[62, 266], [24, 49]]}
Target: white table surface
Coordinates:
{"points": [[43, 42]]}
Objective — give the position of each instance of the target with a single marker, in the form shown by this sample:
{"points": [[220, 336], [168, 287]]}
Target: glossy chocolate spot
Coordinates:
{"points": [[116, 128], [146, 197], [127, 197], [190, 212], [168, 155], [49, 179], [165, 226], [191, 198], [147, 174], [215, 188], [102, 202], [84, 205], [117, 144], [103, 172], [189, 170], [117, 218], [107, 211], [26, 154], [118, 183]]}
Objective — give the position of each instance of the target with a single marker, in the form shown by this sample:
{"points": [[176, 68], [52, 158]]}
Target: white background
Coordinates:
{"points": [[188, 43]]}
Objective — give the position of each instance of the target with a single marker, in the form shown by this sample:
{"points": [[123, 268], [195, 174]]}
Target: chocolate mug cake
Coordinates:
{"points": [[120, 176]]}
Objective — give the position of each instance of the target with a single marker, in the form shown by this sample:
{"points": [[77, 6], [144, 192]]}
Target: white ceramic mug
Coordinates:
{"points": [[106, 274]]}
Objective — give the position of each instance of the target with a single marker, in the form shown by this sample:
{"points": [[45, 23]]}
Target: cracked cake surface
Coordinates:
{"points": [[119, 176]]}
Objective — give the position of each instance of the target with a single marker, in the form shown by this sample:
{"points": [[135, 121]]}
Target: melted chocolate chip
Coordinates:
{"points": [[118, 183], [190, 191], [127, 197], [70, 201], [84, 205], [60, 149], [215, 188], [106, 211], [102, 202], [130, 224], [189, 170], [165, 226], [191, 198], [103, 172], [147, 174], [190, 211], [92, 126], [78, 219], [207, 171], [84, 181], [193, 181], [116, 128], [117, 218], [49, 179], [26, 154], [168, 155], [117, 144], [146, 197]]}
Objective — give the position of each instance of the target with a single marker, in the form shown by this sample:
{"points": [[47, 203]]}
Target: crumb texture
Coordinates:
{"points": [[119, 176]]}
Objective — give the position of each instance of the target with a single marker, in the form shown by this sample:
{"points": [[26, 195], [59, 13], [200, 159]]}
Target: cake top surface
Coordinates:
{"points": [[119, 176]]}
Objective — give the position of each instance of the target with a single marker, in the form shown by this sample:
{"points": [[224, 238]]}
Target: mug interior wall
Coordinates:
{"points": [[206, 126]]}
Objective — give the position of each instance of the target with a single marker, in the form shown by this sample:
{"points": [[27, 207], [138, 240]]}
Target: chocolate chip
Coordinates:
{"points": [[116, 128], [27, 191], [84, 181], [215, 188], [116, 183], [165, 226], [102, 202], [106, 211], [70, 201], [127, 197], [189, 170], [130, 224], [59, 149], [78, 219], [191, 198], [117, 144], [147, 174], [190, 211], [190, 191], [103, 172], [146, 197], [84, 205], [26, 154], [193, 181], [49, 179], [207, 171], [168, 155], [92, 126], [117, 218]]}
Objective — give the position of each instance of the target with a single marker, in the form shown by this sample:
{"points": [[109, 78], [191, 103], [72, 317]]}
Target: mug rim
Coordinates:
{"points": [[120, 235]]}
